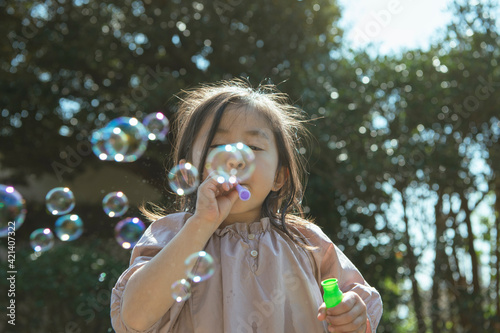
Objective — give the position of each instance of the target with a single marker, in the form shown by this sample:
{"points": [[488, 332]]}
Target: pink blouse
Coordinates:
{"points": [[263, 281]]}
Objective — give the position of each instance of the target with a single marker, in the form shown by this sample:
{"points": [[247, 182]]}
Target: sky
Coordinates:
{"points": [[393, 25]]}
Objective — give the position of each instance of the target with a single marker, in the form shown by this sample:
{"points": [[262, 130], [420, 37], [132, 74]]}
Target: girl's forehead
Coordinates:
{"points": [[241, 116], [238, 119]]}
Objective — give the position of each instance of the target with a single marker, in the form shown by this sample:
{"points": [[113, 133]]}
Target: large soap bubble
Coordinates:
{"points": [[135, 139], [60, 201], [184, 178], [12, 210], [233, 162], [123, 139]]}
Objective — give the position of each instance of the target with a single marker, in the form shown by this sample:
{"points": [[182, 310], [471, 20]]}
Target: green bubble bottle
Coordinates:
{"points": [[331, 292]]}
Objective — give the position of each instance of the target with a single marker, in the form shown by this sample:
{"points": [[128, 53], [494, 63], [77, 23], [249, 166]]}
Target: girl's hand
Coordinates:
{"points": [[214, 201], [348, 316]]}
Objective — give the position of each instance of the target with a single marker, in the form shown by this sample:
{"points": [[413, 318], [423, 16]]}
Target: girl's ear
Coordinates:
{"points": [[280, 178]]}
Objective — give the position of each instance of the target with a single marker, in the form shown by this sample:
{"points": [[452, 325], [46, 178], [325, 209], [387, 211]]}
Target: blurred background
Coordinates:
{"points": [[403, 101]]}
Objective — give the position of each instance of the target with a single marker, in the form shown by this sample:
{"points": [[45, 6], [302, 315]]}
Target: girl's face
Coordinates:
{"points": [[253, 129]]}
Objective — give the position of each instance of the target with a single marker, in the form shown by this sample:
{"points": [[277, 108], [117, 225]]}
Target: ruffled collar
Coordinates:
{"points": [[243, 229]]}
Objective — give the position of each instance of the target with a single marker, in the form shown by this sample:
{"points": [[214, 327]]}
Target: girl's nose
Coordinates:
{"points": [[234, 163]]}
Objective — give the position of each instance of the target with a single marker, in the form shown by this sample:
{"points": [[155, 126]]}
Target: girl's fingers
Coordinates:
{"points": [[322, 312]]}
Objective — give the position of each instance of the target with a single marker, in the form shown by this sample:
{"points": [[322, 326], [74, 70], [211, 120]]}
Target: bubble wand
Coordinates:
{"points": [[243, 192], [331, 292]]}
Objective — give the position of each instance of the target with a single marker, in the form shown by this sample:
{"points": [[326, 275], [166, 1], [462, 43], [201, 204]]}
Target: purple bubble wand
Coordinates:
{"points": [[243, 192]]}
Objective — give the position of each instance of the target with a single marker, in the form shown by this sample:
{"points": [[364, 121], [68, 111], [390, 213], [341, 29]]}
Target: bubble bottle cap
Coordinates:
{"points": [[332, 294]]}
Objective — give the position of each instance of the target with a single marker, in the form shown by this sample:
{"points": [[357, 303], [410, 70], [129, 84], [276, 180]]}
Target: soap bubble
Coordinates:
{"points": [[42, 239], [130, 141], [60, 201], [234, 162], [183, 178], [128, 232], [115, 204], [116, 142], [98, 140], [12, 209], [181, 290], [200, 266], [69, 227], [157, 125]]}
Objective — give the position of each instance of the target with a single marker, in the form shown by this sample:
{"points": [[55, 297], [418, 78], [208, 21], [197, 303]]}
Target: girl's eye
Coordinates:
{"points": [[254, 148]]}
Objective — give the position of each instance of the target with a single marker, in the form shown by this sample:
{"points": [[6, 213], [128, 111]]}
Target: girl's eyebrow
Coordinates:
{"points": [[251, 132]]}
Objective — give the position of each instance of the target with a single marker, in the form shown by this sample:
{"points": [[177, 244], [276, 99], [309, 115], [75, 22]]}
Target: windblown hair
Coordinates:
{"points": [[196, 106]]}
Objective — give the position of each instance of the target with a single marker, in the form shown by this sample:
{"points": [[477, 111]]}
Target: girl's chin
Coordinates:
{"points": [[241, 212]]}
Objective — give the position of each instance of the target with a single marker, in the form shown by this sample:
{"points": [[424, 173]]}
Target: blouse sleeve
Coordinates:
{"points": [[331, 262], [156, 236]]}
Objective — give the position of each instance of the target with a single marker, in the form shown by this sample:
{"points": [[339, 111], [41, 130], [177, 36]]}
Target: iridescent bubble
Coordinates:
{"points": [[42, 239], [128, 232], [116, 142], [157, 125], [60, 201], [69, 227], [181, 290], [233, 162], [12, 210], [183, 178], [115, 204], [200, 266], [98, 141], [130, 133]]}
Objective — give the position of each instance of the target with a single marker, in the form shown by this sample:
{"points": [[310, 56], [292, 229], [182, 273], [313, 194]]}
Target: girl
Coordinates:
{"points": [[270, 262]]}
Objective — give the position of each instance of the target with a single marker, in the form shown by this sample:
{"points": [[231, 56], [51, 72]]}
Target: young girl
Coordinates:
{"points": [[270, 262]]}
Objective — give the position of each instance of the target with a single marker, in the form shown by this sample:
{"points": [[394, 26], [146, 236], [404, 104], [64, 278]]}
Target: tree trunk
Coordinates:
{"points": [[470, 243], [497, 252], [412, 265], [437, 323]]}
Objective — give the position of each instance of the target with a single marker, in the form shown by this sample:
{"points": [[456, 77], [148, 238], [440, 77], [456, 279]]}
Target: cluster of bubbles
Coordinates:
{"points": [[60, 201], [125, 139], [228, 163], [68, 227], [199, 267], [128, 231]]}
